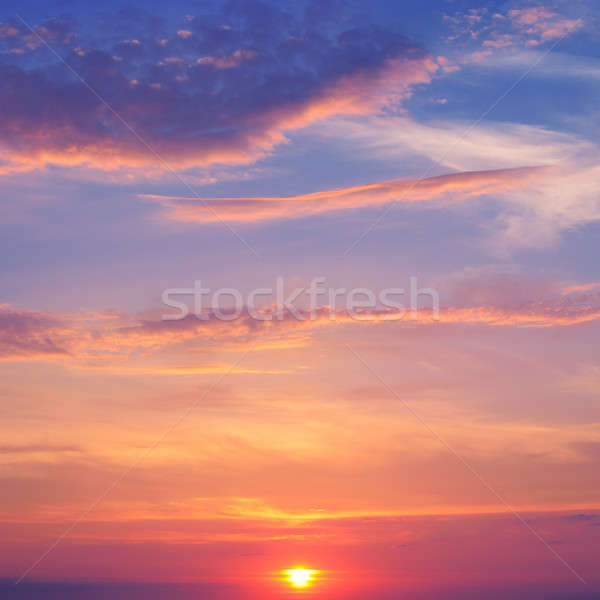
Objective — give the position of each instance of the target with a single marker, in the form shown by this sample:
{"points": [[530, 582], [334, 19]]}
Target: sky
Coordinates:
{"points": [[424, 423]]}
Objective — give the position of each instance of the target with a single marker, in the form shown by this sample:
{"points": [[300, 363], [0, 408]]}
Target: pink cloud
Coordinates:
{"points": [[447, 65], [453, 187], [531, 15], [121, 342], [8, 30], [528, 26], [31, 334], [581, 287], [227, 62], [499, 41], [477, 56], [558, 28], [542, 21]]}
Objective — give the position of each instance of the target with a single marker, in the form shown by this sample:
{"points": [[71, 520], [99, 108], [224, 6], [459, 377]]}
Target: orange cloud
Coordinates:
{"points": [[227, 62], [453, 187], [97, 341]]}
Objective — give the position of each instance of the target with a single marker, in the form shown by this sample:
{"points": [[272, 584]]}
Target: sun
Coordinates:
{"points": [[300, 578]]}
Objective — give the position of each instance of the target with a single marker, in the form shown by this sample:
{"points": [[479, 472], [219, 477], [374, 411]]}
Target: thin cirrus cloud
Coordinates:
{"points": [[457, 145], [38, 449], [562, 196], [226, 93], [449, 188]]}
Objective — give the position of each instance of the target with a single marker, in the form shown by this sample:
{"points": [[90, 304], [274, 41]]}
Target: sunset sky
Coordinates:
{"points": [[449, 451]]}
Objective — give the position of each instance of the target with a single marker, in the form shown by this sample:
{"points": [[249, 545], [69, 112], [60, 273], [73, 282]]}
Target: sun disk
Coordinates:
{"points": [[300, 578]]}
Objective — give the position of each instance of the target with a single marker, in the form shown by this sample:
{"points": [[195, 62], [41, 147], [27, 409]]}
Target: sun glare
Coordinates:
{"points": [[300, 578]]}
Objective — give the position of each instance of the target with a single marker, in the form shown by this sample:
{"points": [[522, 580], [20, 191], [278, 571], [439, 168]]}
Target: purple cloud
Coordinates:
{"points": [[222, 89], [26, 333]]}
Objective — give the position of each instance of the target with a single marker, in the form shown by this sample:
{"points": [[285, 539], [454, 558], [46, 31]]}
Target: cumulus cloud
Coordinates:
{"points": [[543, 22], [223, 90], [526, 26], [16, 38]]}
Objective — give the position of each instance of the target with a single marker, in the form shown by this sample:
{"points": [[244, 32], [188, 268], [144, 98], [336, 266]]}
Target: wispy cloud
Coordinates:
{"points": [[491, 145], [455, 187], [126, 343], [536, 210], [38, 449], [30, 333]]}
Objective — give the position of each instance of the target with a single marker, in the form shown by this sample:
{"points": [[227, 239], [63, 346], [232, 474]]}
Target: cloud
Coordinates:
{"points": [[580, 287], [543, 22], [30, 334], [274, 327], [531, 15], [233, 91], [555, 66], [589, 450], [496, 285], [559, 198], [457, 145], [125, 343], [519, 27], [227, 62], [537, 216], [37, 449], [17, 39], [448, 188]]}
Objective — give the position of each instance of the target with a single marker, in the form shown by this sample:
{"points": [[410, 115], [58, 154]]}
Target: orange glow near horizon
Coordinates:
{"points": [[300, 577]]}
